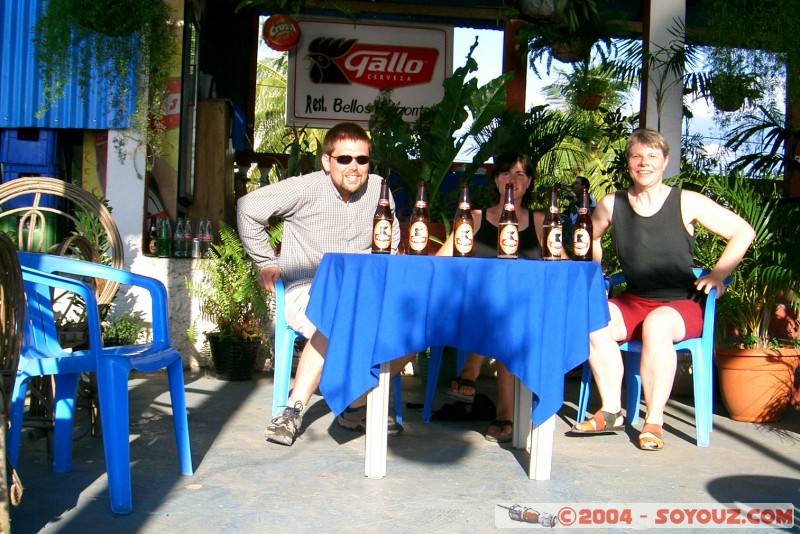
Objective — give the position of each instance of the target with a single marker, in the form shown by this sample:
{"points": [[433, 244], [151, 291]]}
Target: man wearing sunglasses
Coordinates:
{"points": [[325, 211]]}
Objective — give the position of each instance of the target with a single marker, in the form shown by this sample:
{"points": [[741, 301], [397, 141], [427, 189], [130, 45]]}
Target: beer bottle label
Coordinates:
{"points": [[554, 242], [153, 246], [421, 204], [509, 240], [508, 207], [418, 236], [463, 238], [382, 234], [553, 209], [383, 202], [582, 241], [583, 211], [464, 206]]}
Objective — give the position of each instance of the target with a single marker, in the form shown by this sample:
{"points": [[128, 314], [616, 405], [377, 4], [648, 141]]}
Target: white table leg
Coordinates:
{"points": [[542, 450], [538, 440], [522, 415], [377, 425]]}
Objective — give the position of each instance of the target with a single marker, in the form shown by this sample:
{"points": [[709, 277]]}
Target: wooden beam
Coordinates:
{"points": [[498, 14]]}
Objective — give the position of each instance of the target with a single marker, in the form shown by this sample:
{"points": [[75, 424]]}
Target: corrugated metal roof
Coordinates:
{"points": [[21, 88]]}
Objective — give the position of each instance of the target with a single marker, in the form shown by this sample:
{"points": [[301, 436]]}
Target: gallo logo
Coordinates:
{"points": [[345, 61]]}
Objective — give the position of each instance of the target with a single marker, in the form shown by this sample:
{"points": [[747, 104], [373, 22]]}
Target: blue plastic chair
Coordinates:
{"points": [[42, 355], [702, 351], [284, 353], [434, 364]]}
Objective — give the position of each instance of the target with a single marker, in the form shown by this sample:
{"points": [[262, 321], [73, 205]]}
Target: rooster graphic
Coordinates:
{"points": [[322, 52]]}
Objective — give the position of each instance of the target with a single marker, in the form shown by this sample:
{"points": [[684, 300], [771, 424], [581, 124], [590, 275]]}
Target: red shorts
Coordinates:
{"points": [[634, 310]]}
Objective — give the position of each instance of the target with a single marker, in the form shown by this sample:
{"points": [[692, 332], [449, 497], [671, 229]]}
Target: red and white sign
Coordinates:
{"points": [[281, 32], [338, 68]]}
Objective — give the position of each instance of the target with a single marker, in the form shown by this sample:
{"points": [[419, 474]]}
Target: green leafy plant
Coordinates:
{"points": [[584, 25], [437, 137], [730, 90], [124, 329], [127, 44], [767, 275], [228, 292]]}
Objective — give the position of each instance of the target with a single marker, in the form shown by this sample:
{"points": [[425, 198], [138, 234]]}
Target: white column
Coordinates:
{"points": [[664, 90], [125, 189]]}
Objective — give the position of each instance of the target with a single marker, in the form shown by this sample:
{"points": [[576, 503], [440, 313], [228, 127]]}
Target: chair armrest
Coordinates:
{"points": [[158, 293], [81, 289]]}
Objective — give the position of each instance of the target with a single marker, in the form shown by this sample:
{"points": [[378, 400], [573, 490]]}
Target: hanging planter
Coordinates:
{"points": [[729, 90], [756, 385], [589, 101], [571, 51], [544, 10]]}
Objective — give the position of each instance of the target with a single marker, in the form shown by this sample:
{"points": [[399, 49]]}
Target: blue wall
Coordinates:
{"points": [[21, 89]]}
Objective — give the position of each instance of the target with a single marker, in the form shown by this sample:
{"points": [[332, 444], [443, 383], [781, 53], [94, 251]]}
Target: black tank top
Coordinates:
{"points": [[656, 252], [485, 245]]}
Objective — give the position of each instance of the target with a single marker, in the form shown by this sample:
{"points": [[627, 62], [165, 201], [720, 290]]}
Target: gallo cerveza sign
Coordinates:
{"points": [[338, 68]]}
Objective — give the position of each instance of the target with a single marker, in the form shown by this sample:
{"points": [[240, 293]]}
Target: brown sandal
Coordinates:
{"points": [[601, 423], [651, 438], [500, 438]]}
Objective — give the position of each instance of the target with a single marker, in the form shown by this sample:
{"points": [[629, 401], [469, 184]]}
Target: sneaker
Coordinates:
{"points": [[356, 419], [284, 428]]}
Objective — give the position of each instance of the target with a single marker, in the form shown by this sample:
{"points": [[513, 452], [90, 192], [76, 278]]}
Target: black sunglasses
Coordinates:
{"points": [[345, 160]]}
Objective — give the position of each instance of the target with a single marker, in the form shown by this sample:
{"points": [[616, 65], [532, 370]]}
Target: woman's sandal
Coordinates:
{"points": [[601, 423], [456, 394], [651, 437], [501, 424]]}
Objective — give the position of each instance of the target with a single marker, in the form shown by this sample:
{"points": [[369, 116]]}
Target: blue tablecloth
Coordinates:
{"points": [[534, 316]]}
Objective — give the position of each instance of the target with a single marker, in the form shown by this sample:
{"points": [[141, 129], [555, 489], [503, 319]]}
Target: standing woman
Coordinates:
{"points": [[516, 169]]}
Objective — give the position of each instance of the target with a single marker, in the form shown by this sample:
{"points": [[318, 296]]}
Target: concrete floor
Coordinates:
{"points": [[442, 477]]}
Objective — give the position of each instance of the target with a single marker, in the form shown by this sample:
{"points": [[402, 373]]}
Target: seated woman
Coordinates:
{"points": [[516, 169], [652, 226]]}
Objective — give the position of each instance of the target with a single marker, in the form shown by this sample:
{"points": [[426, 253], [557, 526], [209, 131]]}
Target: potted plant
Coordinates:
{"points": [[589, 84], [129, 44], [731, 80], [756, 370], [230, 297], [123, 329], [582, 26]]}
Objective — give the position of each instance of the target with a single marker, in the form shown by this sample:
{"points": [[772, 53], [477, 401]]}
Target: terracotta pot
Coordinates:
{"points": [[590, 101], [756, 385]]}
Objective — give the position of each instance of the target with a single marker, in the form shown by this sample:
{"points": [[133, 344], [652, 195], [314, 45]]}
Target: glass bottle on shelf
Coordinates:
{"points": [[177, 239], [205, 238], [165, 238], [186, 241], [151, 247]]}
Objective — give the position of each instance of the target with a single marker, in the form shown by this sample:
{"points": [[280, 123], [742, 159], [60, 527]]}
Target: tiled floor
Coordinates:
{"points": [[442, 477]]}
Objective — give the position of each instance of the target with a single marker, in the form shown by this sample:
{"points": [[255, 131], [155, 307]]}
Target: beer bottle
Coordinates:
{"points": [[582, 233], [462, 225], [552, 243], [508, 228], [382, 223], [152, 240], [418, 229]]}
